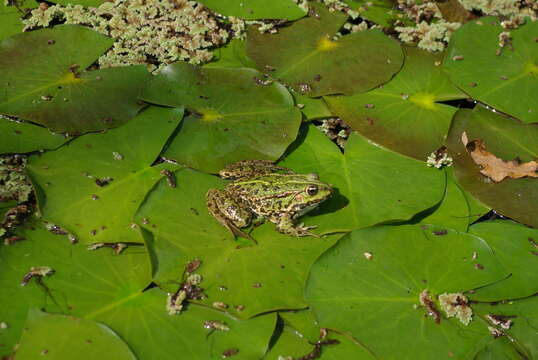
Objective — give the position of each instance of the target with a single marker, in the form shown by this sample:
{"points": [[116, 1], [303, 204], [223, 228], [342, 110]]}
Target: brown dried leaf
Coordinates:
{"points": [[493, 167]]}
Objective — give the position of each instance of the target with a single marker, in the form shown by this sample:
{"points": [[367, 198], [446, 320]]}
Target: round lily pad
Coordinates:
{"points": [[256, 9], [382, 12], [370, 283], [43, 80], [505, 78], [96, 341], [93, 186], [313, 64], [23, 137], [373, 184], [234, 115], [404, 115], [507, 139], [249, 279]]}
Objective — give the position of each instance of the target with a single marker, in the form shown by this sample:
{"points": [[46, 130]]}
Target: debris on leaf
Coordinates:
{"points": [[439, 158], [36, 272], [187, 290], [504, 321], [494, 168], [117, 247], [456, 305], [427, 302], [216, 325]]}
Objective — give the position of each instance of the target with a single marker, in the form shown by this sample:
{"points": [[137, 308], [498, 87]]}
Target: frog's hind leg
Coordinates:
{"points": [[216, 201]]}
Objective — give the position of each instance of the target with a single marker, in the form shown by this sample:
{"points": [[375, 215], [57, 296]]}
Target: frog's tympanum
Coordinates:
{"points": [[261, 190]]}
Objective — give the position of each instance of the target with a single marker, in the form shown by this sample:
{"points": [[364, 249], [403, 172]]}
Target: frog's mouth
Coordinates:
{"points": [[308, 208]]}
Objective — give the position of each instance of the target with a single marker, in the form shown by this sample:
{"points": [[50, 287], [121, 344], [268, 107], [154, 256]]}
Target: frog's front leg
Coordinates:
{"points": [[286, 225], [228, 212]]}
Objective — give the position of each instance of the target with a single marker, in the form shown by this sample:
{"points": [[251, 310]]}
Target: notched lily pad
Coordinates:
{"points": [[373, 184], [93, 186], [43, 80], [404, 115], [256, 9], [235, 114], [508, 139], [313, 64], [503, 77], [381, 282]]}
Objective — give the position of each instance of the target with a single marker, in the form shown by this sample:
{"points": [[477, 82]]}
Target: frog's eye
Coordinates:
{"points": [[311, 190]]}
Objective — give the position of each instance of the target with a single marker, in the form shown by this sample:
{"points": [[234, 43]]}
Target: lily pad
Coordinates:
{"points": [[257, 9], [404, 115], [94, 340], [505, 81], [313, 64], [507, 139], [233, 116], [232, 55], [93, 186], [43, 80], [523, 331], [374, 278], [23, 137], [97, 285], [458, 208], [10, 18], [516, 247], [249, 279], [374, 185]]}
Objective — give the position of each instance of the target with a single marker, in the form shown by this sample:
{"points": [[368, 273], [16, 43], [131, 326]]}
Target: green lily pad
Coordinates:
{"points": [[43, 79], [97, 285], [504, 81], [233, 117], [313, 64], [232, 55], [82, 281], [507, 139], [516, 247], [23, 137], [10, 18], [374, 185], [404, 115], [256, 9], [96, 341], [94, 185], [457, 209], [368, 285], [249, 279], [498, 349], [523, 331]]}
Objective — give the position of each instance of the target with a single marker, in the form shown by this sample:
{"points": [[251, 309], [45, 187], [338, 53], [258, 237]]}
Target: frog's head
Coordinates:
{"points": [[312, 193]]}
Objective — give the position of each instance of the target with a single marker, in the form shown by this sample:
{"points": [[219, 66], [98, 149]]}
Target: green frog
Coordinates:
{"points": [[262, 190]]}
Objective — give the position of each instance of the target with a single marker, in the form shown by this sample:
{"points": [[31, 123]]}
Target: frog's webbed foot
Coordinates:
{"points": [[251, 168], [287, 226], [221, 207]]}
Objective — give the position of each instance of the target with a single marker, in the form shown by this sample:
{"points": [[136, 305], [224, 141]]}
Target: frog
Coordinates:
{"points": [[261, 190]]}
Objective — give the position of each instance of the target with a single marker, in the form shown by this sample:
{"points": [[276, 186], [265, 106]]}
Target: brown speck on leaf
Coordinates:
{"points": [[194, 211], [240, 307], [169, 177], [95, 197], [473, 84], [440, 232], [503, 77], [457, 57], [145, 221], [257, 285], [193, 265], [304, 88], [368, 255], [369, 106], [88, 341], [51, 42], [225, 129], [46, 97], [93, 232], [107, 120], [317, 77], [427, 302], [18, 132], [479, 266], [269, 68], [229, 352]]}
